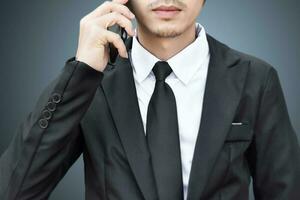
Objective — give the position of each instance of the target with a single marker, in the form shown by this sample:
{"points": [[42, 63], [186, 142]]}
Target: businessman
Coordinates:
{"points": [[178, 116]]}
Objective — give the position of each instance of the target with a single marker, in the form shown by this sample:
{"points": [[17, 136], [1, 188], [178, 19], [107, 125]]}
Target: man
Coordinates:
{"points": [[179, 115]]}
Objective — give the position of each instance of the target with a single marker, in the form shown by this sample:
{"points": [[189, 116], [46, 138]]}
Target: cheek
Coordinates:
{"points": [[195, 7], [194, 11]]}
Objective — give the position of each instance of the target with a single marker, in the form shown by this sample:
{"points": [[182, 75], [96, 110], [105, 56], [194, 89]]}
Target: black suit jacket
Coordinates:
{"points": [[97, 114]]}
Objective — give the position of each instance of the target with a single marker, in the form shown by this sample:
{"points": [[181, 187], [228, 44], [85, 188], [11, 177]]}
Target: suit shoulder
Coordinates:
{"points": [[258, 68], [257, 64], [260, 71]]}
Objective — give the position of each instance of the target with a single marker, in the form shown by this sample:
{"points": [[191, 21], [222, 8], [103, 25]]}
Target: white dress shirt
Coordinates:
{"points": [[187, 81]]}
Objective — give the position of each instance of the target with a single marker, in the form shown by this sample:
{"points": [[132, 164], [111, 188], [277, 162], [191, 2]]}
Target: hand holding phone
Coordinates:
{"points": [[96, 37]]}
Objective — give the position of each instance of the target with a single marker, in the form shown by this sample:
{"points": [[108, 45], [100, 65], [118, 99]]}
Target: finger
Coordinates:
{"points": [[109, 7], [113, 18], [116, 40]]}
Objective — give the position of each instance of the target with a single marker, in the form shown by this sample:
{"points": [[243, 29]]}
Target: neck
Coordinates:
{"points": [[166, 47]]}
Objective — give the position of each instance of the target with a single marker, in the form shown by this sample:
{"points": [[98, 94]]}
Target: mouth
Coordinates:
{"points": [[166, 11]]}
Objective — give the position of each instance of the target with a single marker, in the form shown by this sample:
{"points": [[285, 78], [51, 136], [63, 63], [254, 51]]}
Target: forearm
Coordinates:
{"points": [[49, 140]]}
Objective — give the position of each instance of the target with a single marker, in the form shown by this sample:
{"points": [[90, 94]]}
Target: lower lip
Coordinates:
{"points": [[166, 13]]}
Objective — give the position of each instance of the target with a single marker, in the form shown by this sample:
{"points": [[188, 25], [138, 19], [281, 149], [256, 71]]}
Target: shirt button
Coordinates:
{"points": [[43, 123]]}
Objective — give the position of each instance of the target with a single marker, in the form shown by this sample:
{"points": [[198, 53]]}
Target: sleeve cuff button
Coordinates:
{"points": [[47, 114], [51, 106], [43, 123], [56, 98]]}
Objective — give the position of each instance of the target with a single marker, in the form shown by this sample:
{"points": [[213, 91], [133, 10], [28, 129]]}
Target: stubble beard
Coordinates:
{"points": [[166, 33], [161, 32]]}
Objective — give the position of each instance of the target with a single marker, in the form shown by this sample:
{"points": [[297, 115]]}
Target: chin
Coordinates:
{"points": [[165, 30], [166, 33]]}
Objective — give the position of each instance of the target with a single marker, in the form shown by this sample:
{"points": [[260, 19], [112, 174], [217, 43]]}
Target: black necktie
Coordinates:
{"points": [[163, 137]]}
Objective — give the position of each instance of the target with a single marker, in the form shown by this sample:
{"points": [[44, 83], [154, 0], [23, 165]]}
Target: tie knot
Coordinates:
{"points": [[161, 70]]}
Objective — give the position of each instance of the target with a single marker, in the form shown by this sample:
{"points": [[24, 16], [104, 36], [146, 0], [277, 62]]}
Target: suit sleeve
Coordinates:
{"points": [[275, 153], [50, 139]]}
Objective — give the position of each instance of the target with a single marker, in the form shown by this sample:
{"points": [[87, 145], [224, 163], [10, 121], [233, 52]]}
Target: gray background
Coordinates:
{"points": [[37, 37]]}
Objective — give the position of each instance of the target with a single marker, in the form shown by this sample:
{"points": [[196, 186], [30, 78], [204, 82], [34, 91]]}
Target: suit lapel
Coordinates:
{"points": [[225, 81], [119, 89]]}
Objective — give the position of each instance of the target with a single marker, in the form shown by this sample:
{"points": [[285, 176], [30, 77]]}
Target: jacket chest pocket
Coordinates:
{"points": [[239, 133], [238, 139]]}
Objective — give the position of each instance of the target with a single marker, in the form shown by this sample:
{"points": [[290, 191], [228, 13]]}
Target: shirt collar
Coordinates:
{"points": [[190, 57]]}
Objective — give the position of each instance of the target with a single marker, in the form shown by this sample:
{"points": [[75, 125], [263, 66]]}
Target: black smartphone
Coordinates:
{"points": [[113, 51]]}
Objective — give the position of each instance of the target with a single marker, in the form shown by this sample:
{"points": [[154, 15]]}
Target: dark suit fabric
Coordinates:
{"points": [[98, 116]]}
